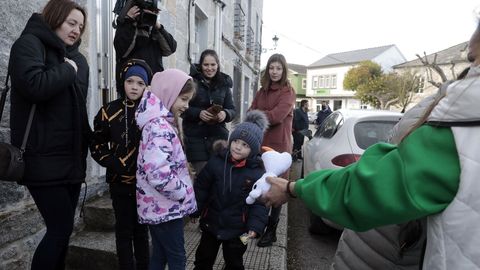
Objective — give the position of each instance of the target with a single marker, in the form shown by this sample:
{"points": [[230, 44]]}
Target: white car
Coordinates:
{"points": [[341, 140], [312, 117]]}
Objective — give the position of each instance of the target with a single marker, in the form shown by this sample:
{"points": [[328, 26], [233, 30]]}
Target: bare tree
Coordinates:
{"points": [[433, 66]]}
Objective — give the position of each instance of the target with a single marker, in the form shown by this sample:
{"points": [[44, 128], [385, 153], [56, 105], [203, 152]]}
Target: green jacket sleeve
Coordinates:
{"points": [[389, 184]]}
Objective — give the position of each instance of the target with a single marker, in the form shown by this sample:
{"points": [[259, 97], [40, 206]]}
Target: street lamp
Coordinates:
{"points": [[275, 43], [275, 40]]}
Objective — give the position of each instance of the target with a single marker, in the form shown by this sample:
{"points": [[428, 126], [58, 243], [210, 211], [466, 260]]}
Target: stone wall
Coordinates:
{"points": [[21, 226]]}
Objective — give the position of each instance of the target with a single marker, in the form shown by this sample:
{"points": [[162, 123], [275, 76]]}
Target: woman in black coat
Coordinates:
{"points": [[47, 69], [209, 110]]}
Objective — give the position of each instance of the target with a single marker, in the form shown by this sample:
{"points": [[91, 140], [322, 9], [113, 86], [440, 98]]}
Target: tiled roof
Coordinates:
{"points": [[301, 69], [454, 54], [350, 57]]}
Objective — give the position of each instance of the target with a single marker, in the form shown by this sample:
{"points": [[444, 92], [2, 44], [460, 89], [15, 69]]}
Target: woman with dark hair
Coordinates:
{"points": [[212, 107], [276, 98], [50, 78]]}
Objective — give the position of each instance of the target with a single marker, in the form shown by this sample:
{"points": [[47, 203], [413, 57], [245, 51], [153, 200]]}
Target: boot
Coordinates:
{"points": [[270, 234]]}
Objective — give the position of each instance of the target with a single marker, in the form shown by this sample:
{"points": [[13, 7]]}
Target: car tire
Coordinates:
{"points": [[318, 227]]}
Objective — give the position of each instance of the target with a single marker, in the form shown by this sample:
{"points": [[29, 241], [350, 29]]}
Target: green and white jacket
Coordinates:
{"points": [[432, 172]]}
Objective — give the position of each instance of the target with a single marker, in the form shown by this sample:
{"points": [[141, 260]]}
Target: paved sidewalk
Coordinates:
{"points": [[271, 258]]}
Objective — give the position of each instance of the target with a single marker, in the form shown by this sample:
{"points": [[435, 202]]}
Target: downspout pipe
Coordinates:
{"points": [[219, 5]]}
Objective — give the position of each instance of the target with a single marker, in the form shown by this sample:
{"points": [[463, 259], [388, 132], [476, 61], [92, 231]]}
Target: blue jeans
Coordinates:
{"points": [[168, 245]]}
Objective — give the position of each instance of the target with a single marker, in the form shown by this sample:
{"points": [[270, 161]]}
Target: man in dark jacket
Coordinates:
{"points": [[135, 38], [323, 113], [299, 129]]}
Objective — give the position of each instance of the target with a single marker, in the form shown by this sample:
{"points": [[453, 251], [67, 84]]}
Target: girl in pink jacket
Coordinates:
{"points": [[164, 187]]}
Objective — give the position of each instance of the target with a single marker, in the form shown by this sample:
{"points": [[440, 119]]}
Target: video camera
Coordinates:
{"points": [[145, 19]]}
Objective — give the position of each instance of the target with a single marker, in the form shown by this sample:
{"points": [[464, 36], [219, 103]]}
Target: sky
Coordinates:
{"points": [[311, 29]]}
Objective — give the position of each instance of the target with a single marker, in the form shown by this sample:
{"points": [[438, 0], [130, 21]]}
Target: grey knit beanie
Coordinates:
{"points": [[251, 131]]}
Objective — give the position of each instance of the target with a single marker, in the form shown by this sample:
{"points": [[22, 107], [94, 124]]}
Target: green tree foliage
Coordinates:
{"points": [[361, 74], [378, 89]]}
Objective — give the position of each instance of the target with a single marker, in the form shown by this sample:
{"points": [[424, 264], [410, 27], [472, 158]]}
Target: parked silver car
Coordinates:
{"points": [[312, 117], [341, 140]]}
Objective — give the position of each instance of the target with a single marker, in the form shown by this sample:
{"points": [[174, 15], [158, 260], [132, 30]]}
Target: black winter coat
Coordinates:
{"points": [[57, 145], [150, 47], [300, 120], [199, 136], [322, 115], [221, 190], [115, 140]]}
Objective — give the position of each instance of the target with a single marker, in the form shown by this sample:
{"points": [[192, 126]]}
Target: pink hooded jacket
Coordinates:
{"points": [[164, 186]]}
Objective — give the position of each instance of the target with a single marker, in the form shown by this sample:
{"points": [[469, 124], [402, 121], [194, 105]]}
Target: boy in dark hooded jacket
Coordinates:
{"points": [[221, 189], [115, 146]]}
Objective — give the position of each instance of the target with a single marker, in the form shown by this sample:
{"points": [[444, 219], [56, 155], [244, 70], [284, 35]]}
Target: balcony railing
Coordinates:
{"points": [[250, 52], [258, 53], [239, 26]]}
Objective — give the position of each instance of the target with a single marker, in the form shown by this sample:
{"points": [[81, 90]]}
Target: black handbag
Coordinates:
{"points": [[12, 164]]}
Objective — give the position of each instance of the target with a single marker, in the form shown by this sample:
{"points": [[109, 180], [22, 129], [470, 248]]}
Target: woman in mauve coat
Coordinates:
{"points": [[276, 98]]}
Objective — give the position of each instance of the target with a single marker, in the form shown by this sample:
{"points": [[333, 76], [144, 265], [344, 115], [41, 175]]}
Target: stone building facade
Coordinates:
{"points": [[452, 61], [231, 27]]}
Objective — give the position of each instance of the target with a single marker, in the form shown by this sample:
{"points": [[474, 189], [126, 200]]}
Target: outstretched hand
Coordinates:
{"points": [[277, 195]]}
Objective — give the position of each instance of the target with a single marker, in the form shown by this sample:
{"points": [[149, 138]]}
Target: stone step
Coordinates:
{"points": [[99, 215], [92, 250]]}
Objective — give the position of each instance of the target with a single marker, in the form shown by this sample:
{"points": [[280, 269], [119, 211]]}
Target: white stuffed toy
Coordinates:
{"points": [[275, 164]]}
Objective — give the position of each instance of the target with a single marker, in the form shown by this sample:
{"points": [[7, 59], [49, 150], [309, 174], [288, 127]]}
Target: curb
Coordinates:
{"points": [[278, 255]]}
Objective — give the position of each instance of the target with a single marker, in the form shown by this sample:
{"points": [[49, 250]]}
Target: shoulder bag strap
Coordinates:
{"points": [[27, 130], [30, 117], [3, 99]]}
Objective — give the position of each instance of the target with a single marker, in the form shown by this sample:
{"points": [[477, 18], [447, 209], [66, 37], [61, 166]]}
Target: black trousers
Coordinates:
{"points": [[131, 238], [207, 251], [298, 140], [57, 206]]}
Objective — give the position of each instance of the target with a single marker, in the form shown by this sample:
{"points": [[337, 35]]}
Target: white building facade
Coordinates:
{"points": [[325, 77]]}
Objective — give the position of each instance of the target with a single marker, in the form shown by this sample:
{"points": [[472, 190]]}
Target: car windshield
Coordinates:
{"points": [[330, 126], [370, 132]]}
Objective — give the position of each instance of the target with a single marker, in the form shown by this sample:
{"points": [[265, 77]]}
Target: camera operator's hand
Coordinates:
{"points": [[133, 12]]}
